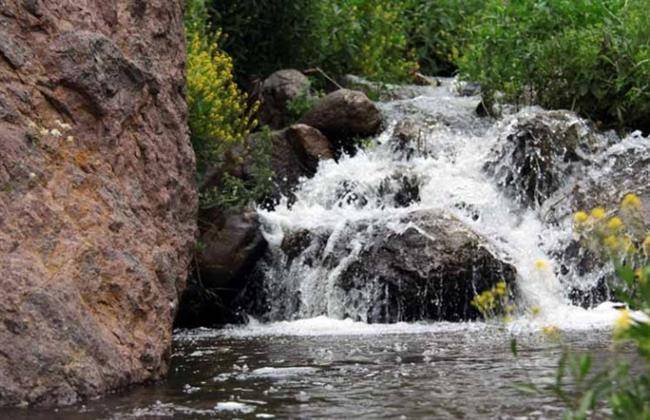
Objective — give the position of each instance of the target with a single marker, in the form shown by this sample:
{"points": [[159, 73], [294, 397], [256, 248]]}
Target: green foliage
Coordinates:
{"points": [[235, 192], [263, 36], [220, 115], [365, 37], [437, 31], [362, 37], [301, 104], [589, 56]]}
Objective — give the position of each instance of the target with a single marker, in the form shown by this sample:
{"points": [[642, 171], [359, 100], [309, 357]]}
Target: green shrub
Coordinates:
{"points": [[362, 37], [365, 37], [263, 36], [589, 56], [220, 116], [437, 31]]}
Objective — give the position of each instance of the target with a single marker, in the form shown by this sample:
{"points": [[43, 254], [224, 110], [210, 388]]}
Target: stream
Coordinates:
{"points": [[315, 348]]}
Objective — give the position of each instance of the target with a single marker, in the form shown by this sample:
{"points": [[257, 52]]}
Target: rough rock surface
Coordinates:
{"points": [[296, 153], [430, 270], [97, 198], [278, 90], [543, 150], [230, 246], [344, 115]]}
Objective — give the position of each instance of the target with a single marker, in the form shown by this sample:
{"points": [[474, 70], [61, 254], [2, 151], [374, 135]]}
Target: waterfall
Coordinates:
{"points": [[456, 163]]}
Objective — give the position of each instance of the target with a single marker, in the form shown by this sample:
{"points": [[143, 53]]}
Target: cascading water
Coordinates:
{"points": [[453, 164]]}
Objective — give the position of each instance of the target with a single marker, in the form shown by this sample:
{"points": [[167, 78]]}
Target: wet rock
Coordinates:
{"points": [[542, 151], [623, 168], [408, 139], [345, 115], [97, 196], [401, 190], [278, 90], [296, 152], [232, 243], [430, 271], [425, 265], [228, 249]]}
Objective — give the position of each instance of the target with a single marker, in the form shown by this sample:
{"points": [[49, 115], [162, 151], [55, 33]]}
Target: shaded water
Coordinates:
{"points": [[340, 369]]}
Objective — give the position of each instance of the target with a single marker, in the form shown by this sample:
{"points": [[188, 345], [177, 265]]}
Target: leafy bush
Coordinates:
{"points": [[437, 31], [364, 37], [589, 56], [220, 115], [263, 36]]}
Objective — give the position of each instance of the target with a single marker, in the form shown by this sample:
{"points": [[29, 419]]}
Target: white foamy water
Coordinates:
{"points": [[453, 148]]}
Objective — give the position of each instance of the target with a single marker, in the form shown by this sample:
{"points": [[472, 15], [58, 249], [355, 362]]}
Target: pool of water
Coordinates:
{"points": [[322, 368]]}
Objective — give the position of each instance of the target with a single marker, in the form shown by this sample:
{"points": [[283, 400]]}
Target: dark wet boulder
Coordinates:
{"points": [[622, 169], [345, 115], [230, 245], [541, 151], [429, 271], [425, 265], [278, 90], [296, 152], [408, 138]]}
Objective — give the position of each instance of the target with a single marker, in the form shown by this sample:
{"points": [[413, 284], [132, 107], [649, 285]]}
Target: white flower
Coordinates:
{"points": [[55, 132]]}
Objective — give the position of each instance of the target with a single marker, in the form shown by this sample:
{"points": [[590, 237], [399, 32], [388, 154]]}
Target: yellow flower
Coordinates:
{"points": [[646, 246], [598, 213], [535, 310], [631, 201], [615, 223], [611, 242], [541, 265], [551, 331], [623, 322], [580, 218]]}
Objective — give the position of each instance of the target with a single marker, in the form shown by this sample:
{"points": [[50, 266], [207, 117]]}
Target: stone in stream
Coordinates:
{"points": [[228, 248], [97, 196], [431, 269], [624, 168], [295, 153], [343, 116], [540, 153], [278, 90]]}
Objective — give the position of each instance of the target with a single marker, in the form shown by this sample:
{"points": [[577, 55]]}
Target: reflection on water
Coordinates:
{"points": [[436, 371]]}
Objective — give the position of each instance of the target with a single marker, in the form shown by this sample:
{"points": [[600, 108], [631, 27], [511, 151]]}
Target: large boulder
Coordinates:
{"points": [[278, 90], [621, 169], [229, 247], [345, 115], [424, 265], [97, 195], [541, 152], [429, 271], [296, 152]]}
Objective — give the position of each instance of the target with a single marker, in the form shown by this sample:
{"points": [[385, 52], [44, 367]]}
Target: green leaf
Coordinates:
{"points": [[513, 347]]}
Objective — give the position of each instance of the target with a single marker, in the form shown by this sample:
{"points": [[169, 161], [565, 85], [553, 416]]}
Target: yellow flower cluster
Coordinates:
{"points": [[219, 112], [494, 300], [618, 235]]}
